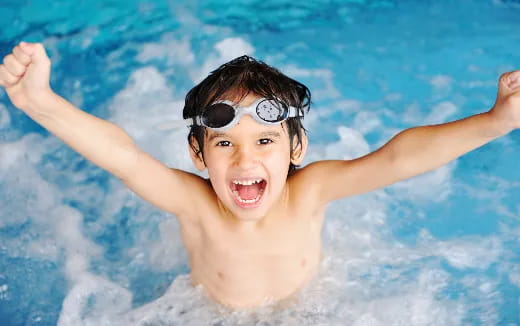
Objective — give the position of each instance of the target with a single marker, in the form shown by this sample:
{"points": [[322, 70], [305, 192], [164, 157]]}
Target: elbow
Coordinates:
{"points": [[400, 162]]}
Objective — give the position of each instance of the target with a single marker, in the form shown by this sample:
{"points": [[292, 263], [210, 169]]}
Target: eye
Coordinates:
{"points": [[265, 141], [224, 143]]}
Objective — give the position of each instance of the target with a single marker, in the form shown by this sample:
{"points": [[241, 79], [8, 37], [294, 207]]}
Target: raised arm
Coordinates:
{"points": [[420, 149], [25, 76]]}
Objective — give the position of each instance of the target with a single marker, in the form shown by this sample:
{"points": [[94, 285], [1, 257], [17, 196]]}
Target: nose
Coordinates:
{"points": [[245, 157]]}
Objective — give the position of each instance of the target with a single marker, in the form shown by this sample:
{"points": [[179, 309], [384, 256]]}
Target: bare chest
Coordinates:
{"points": [[270, 262]]}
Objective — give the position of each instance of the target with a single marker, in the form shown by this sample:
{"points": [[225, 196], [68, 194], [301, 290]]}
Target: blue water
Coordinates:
{"points": [[77, 248]]}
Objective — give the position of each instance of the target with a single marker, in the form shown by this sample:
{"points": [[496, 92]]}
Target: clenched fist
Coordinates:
{"points": [[506, 110], [25, 74]]}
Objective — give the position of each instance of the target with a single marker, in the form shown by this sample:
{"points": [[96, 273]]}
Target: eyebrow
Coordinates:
{"points": [[216, 135], [271, 134]]}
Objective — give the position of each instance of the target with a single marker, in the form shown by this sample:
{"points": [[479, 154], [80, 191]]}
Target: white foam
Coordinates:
{"points": [[23, 151], [327, 90], [348, 105], [440, 113], [227, 49], [169, 245], [485, 309], [351, 144], [464, 252], [173, 50], [441, 81], [367, 121], [318, 114], [514, 277], [146, 110], [233, 47], [93, 300], [55, 228], [5, 118], [480, 84], [4, 294], [412, 114], [27, 197], [494, 194], [393, 97], [433, 186]]}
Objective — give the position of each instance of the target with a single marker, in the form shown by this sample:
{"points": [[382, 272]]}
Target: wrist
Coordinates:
{"points": [[40, 100], [499, 125]]}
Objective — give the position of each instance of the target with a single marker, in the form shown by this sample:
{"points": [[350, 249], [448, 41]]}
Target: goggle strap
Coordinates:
{"points": [[190, 121], [293, 112]]}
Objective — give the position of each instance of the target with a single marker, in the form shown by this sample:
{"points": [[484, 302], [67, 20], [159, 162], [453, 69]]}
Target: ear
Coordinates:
{"points": [[299, 150], [196, 158]]}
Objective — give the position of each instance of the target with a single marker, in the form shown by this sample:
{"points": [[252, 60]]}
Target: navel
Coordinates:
{"points": [[303, 262]]}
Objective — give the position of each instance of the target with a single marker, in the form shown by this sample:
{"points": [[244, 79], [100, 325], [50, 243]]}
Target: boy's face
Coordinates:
{"points": [[248, 165]]}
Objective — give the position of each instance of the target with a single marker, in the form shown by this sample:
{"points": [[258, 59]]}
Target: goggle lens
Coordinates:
{"points": [[218, 115], [271, 111]]}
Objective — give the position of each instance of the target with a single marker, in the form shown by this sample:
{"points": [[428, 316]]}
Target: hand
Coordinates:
{"points": [[25, 74], [506, 110]]}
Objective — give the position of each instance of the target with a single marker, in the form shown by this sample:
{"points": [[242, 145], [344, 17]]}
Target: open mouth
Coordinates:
{"points": [[248, 192]]}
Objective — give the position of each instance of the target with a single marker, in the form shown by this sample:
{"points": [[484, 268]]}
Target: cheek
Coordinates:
{"points": [[216, 169], [284, 153], [217, 178], [277, 162]]}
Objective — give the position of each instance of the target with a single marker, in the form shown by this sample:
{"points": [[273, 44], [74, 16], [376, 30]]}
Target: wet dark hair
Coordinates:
{"points": [[237, 79]]}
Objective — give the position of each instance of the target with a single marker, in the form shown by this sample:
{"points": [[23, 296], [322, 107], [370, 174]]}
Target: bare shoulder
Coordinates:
{"points": [[305, 192], [304, 184]]}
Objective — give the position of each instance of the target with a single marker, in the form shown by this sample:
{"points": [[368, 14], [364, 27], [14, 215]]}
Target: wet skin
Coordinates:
{"points": [[247, 254]]}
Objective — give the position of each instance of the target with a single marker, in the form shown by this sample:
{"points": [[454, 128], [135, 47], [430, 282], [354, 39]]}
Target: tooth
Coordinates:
{"points": [[246, 182]]}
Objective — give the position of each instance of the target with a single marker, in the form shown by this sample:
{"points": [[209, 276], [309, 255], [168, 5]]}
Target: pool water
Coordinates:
{"points": [[78, 248]]}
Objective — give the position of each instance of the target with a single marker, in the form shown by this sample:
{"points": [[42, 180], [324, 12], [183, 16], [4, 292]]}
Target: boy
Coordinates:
{"points": [[252, 231]]}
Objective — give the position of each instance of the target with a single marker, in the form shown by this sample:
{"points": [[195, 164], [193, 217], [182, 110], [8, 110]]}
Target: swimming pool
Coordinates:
{"points": [[77, 248]]}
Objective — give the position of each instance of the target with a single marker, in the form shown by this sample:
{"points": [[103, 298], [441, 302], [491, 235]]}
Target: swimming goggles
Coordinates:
{"points": [[223, 115]]}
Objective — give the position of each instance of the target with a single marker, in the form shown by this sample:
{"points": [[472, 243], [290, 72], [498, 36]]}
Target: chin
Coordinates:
{"points": [[249, 215]]}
